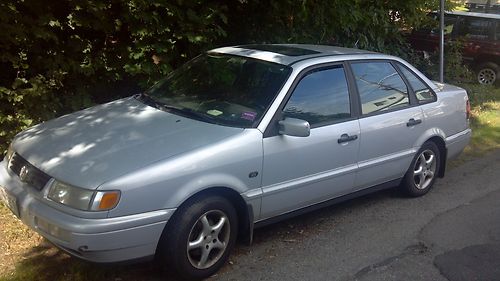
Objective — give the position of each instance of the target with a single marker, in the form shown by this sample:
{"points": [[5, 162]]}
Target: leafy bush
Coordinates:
{"points": [[366, 24], [61, 56], [455, 71]]}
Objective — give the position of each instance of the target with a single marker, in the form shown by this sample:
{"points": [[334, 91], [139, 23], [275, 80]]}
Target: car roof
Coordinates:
{"points": [[471, 14], [288, 54]]}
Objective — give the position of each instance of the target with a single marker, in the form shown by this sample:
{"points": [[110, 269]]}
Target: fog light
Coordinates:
{"points": [[52, 229]]}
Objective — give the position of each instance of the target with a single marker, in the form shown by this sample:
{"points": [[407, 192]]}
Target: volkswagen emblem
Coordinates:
{"points": [[24, 174]]}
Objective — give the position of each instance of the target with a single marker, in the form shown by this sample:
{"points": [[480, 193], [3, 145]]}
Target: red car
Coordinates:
{"points": [[481, 34]]}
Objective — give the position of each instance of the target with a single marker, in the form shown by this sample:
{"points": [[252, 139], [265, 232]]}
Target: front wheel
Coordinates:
{"points": [[200, 237], [423, 171]]}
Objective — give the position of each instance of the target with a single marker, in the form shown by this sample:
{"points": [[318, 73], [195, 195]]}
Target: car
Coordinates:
{"points": [[480, 33], [237, 138], [483, 7]]}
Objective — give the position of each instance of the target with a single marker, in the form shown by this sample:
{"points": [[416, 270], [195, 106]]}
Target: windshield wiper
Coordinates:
{"points": [[187, 112], [149, 101], [183, 111]]}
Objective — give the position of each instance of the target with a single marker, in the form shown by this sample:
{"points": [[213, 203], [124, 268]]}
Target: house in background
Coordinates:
{"points": [[483, 6]]}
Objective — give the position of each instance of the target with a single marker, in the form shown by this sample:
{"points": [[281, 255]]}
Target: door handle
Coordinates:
{"points": [[413, 122], [346, 138]]}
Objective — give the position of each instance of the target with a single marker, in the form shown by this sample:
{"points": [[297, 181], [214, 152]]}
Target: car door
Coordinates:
{"points": [[390, 123], [301, 171], [477, 34]]}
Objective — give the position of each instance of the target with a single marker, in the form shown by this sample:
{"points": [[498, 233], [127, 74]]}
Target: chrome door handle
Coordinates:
{"points": [[346, 138], [413, 122]]}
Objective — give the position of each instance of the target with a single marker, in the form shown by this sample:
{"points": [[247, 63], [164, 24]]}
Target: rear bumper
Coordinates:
{"points": [[94, 239], [456, 143]]}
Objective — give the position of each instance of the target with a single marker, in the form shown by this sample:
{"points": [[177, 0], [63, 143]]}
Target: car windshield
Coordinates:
{"points": [[222, 89]]}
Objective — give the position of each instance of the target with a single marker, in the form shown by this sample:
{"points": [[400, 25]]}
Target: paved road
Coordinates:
{"points": [[452, 233]]}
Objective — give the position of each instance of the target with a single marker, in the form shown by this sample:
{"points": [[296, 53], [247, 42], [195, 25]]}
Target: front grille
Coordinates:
{"points": [[27, 172]]}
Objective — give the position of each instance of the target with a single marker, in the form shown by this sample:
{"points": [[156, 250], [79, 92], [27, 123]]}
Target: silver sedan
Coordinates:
{"points": [[237, 138]]}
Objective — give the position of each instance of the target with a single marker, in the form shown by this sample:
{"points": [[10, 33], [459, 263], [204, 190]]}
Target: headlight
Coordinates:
{"points": [[83, 199]]}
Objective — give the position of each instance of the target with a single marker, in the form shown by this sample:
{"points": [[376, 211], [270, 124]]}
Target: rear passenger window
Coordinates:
{"points": [[475, 28], [320, 97], [380, 87], [422, 91], [449, 24]]}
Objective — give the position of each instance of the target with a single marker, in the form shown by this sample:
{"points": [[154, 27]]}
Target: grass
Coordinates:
{"points": [[485, 121], [24, 255]]}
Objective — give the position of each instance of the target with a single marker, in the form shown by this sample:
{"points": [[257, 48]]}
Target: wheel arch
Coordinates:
{"points": [[244, 211], [442, 153], [483, 59]]}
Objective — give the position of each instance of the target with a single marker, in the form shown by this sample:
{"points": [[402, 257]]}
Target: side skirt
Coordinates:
{"points": [[337, 200]]}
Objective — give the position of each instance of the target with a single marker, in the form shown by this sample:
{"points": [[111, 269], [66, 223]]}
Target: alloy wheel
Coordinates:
{"points": [[208, 239], [424, 169]]}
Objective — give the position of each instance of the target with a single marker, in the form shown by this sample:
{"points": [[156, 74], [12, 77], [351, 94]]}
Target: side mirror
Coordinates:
{"points": [[294, 127]]}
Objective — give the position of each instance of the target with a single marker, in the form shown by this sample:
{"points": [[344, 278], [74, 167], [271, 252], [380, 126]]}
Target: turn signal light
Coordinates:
{"points": [[109, 200]]}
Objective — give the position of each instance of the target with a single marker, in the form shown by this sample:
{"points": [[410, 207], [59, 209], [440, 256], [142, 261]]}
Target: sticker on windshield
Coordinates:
{"points": [[214, 112], [248, 115]]}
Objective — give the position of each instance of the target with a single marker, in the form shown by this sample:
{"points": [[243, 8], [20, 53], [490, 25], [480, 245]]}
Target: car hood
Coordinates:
{"points": [[90, 147]]}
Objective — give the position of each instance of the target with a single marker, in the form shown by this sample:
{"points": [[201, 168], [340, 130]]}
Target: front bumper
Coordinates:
{"points": [[94, 239]]}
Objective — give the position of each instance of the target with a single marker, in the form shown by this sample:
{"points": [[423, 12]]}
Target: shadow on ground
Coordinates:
{"points": [[45, 262]]}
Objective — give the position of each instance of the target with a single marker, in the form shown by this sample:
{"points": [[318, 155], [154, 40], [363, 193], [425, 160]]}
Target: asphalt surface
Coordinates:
{"points": [[452, 233]]}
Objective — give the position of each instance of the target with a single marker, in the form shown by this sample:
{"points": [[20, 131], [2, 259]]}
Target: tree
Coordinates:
{"points": [[61, 56]]}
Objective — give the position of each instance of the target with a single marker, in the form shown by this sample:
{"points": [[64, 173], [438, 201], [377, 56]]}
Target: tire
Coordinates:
{"points": [[205, 227], [488, 74], [423, 170]]}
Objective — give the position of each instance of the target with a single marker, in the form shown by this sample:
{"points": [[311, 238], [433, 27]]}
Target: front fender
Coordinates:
{"points": [[231, 163], [206, 182]]}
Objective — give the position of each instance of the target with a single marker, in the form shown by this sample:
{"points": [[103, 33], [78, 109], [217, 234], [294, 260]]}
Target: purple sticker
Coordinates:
{"points": [[248, 115]]}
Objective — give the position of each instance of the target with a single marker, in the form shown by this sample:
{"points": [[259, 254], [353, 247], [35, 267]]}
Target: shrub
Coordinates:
{"points": [[61, 56], [455, 71]]}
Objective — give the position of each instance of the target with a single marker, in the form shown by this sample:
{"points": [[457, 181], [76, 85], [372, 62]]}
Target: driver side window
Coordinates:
{"points": [[321, 98]]}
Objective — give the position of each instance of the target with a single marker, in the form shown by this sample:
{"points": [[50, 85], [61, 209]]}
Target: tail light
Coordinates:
{"points": [[467, 109]]}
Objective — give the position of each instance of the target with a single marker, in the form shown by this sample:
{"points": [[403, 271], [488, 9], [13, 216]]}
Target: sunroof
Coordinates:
{"points": [[283, 50]]}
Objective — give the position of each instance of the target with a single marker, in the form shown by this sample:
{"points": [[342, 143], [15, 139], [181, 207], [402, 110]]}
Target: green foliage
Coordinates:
{"points": [[454, 69], [485, 121], [366, 24], [60, 56]]}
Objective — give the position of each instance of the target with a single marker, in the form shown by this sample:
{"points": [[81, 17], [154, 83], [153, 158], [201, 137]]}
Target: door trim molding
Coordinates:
{"points": [[326, 203], [386, 158], [309, 179]]}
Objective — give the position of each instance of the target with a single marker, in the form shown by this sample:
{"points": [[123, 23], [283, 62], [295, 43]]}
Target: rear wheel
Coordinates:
{"points": [[423, 170], [200, 237], [487, 74]]}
